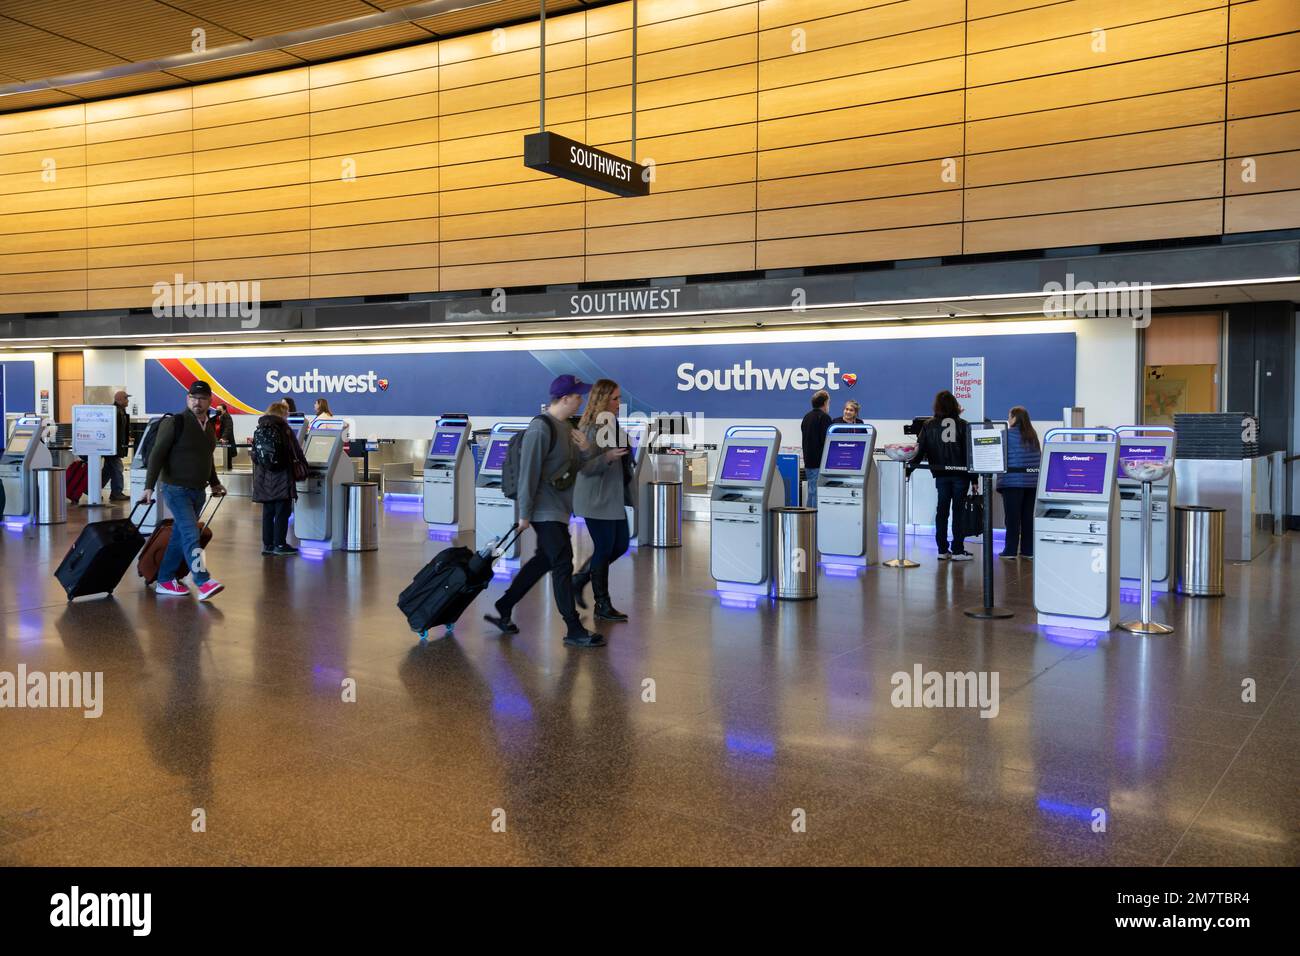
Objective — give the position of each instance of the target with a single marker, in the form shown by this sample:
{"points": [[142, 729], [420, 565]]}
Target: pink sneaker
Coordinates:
{"points": [[210, 590], [171, 587]]}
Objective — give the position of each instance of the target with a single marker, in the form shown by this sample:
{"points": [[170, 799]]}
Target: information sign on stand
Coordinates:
{"points": [[94, 435], [987, 457]]}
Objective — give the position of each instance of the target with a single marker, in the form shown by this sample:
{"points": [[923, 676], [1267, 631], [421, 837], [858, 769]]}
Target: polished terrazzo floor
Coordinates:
{"points": [[762, 717]]}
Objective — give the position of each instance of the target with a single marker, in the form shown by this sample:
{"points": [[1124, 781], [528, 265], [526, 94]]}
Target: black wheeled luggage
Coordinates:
{"points": [[101, 556], [448, 584]]}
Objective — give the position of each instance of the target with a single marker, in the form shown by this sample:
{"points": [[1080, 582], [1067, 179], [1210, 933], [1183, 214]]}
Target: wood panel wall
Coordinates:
{"points": [[782, 133]]}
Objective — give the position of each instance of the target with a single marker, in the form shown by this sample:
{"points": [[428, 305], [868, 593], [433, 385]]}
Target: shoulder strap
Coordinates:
{"points": [[550, 427]]}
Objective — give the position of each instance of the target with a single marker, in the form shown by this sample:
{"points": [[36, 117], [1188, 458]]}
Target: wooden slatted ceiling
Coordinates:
{"points": [[783, 132]]}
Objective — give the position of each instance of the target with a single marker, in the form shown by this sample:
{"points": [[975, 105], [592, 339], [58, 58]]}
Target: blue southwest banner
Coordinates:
{"points": [[891, 378]]}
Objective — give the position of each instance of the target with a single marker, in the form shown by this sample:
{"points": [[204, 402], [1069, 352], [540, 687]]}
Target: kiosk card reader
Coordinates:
{"points": [[745, 488], [494, 513], [318, 517], [24, 452], [140, 473], [449, 474], [1076, 530], [848, 494], [1154, 443]]}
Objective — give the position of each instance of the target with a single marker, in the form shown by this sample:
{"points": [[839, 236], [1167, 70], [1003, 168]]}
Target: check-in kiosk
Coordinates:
{"points": [[494, 513], [1149, 443], [24, 452], [319, 517], [848, 495], [745, 490], [638, 436], [449, 475], [140, 473], [1076, 530]]}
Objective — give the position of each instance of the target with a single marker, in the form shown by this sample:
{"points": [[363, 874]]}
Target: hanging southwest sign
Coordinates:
{"points": [[569, 159]]}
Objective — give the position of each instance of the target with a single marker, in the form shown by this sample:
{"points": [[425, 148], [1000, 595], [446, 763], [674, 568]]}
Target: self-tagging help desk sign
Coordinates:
{"points": [[968, 386], [94, 430]]}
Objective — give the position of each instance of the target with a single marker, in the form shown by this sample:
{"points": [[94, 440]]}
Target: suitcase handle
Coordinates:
{"points": [[218, 499], [131, 516], [506, 540]]}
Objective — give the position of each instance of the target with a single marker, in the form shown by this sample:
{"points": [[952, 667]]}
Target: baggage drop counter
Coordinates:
{"points": [[1076, 530], [745, 490], [848, 496], [1154, 443], [320, 515], [494, 513], [24, 452], [449, 476]]}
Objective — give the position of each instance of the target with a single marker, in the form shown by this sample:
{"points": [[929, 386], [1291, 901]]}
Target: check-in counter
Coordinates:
{"points": [[1243, 488], [691, 469], [925, 498]]}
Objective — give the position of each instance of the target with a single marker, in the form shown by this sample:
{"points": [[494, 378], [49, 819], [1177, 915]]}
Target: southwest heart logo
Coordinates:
{"points": [[383, 384], [849, 378]]}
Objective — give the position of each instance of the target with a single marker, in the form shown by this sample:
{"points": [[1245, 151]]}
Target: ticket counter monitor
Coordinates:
{"points": [[24, 451], [848, 496], [745, 489], [1076, 530], [449, 475], [494, 513], [1152, 443], [319, 517], [140, 473]]}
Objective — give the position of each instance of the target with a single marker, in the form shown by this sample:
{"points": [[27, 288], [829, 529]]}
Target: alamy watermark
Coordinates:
{"points": [[222, 300], [946, 689], [75, 690], [1098, 300]]}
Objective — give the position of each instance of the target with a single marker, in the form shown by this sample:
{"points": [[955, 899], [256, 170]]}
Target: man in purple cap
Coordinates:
{"points": [[550, 456]]}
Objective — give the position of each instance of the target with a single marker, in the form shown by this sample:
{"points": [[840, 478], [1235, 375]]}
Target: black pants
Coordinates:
{"points": [[275, 523], [555, 555], [950, 490], [1018, 505], [609, 538]]}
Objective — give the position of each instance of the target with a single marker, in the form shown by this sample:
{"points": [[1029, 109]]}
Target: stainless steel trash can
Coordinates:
{"points": [[794, 553], [665, 518], [362, 523], [1198, 550], [51, 495]]}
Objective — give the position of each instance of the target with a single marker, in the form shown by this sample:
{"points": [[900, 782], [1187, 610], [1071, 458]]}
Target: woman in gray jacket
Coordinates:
{"points": [[602, 492]]}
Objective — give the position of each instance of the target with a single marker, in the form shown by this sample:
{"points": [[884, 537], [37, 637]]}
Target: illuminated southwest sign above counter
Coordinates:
{"points": [[569, 159]]}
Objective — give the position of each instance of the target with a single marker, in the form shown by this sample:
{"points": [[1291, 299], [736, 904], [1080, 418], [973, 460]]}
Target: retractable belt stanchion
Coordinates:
{"points": [[903, 453], [1148, 472], [987, 455]]}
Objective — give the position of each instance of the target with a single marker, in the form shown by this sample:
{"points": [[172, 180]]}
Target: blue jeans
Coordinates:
{"points": [[113, 469], [949, 490], [811, 475], [184, 505]]}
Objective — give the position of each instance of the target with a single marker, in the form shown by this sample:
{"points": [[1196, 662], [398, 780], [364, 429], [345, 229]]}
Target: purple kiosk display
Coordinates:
{"points": [[745, 489], [449, 477], [1076, 530]]}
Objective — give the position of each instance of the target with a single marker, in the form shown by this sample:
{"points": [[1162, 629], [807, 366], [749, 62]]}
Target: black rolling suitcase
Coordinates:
{"points": [[101, 556], [448, 584]]}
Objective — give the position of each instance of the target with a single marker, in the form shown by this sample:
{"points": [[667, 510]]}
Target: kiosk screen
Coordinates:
{"points": [[744, 463], [496, 454], [1140, 452], [1076, 473], [445, 443], [18, 443], [318, 449], [845, 455]]}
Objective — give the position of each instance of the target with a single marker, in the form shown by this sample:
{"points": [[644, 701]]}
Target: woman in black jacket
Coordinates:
{"points": [[943, 443], [275, 488]]}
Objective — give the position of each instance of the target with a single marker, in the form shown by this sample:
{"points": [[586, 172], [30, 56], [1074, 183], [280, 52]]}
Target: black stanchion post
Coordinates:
{"points": [[989, 611]]}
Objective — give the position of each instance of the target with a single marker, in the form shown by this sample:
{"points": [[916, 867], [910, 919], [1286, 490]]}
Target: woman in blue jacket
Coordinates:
{"points": [[1019, 485]]}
